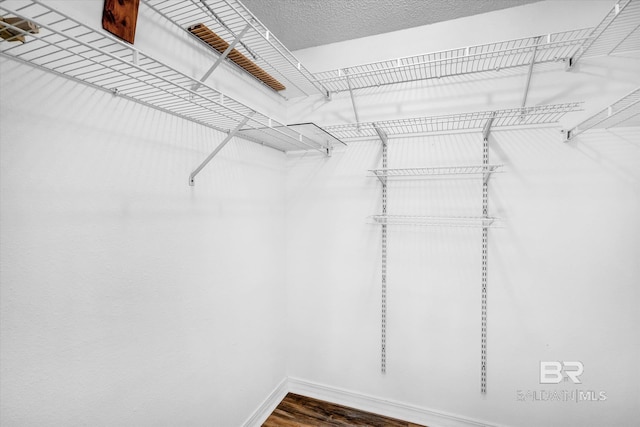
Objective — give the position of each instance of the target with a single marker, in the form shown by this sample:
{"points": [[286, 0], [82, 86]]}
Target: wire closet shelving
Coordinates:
{"points": [[623, 112], [434, 171], [228, 19], [466, 60], [78, 52], [618, 32], [435, 221], [538, 115]]}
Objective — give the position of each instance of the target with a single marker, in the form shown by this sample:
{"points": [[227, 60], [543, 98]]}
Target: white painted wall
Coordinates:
{"points": [[563, 273], [129, 298]]}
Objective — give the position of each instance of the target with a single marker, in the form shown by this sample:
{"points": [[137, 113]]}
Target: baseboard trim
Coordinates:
{"points": [[381, 406], [260, 415]]}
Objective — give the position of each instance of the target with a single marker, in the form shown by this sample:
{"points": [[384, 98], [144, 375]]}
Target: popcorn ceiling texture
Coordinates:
{"points": [[302, 24]]}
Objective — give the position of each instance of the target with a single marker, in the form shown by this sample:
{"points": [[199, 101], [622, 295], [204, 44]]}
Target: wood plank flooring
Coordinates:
{"points": [[301, 411]]}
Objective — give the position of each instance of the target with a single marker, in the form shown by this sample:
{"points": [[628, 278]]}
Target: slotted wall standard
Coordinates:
{"points": [[482, 122]]}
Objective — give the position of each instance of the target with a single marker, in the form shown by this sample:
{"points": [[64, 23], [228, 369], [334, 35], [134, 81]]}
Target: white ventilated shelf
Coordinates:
{"points": [[539, 115], [73, 50], [618, 32], [436, 221], [624, 112], [466, 60], [227, 18], [435, 171]]}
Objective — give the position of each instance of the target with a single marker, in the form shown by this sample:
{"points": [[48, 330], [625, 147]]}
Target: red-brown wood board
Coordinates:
{"points": [[119, 17]]}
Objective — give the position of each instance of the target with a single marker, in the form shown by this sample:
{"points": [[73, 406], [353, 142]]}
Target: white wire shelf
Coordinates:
{"points": [[75, 51], [624, 112], [435, 171], [466, 60], [538, 115], [618, 32], [228, 18], [436, 221]]}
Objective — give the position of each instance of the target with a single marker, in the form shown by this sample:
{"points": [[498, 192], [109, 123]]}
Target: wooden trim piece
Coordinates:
{"points": [[202, 32]]}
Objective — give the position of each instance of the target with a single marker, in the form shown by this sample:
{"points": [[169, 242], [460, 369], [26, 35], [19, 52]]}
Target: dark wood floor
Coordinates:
{"points": [[301, 411]]}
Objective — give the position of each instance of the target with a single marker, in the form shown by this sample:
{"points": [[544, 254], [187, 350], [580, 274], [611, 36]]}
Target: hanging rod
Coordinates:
{"points": [[617, 114], [466, 60]]}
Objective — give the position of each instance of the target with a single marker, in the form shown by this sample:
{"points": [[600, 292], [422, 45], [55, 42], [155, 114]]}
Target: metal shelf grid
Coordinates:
{"points": [[620, 113], [73, 50], [228, 18], [435, 221], [448, 63], [618, 32], [538, 115], [434, 171]]}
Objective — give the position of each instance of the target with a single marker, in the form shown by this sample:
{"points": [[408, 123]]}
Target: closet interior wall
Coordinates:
{"points": [[128, 297], [557, 246], [122, 287]]}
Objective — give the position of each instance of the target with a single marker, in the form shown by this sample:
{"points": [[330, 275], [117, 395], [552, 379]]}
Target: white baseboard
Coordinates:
{"points": [[268, 405], [388, 408]]}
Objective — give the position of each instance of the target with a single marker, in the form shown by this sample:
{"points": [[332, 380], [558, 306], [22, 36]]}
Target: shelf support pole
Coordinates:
{"points": [[220, 146], [530, 72], [485, 238], [222, 57], [353, 100], [383, 347]]}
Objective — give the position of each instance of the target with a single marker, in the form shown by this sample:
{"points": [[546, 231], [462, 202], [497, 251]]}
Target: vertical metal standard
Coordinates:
{"points": [[485, 238], [221, 58], [383, 348], [220, 146]]}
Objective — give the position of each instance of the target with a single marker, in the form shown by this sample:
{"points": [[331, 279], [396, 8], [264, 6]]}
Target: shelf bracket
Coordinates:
{"points": [[384, 138], [486, 130], [220, 146], [530, 72], [222, 57], [353, 101]]}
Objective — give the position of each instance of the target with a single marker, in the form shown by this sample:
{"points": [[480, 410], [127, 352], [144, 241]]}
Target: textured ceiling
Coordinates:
{"points": [[306, 23]]}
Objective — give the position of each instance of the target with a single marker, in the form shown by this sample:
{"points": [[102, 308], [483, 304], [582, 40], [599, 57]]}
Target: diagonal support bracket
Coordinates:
{"points": [[384, 138], [226, 27], [530, 72], [353, 100], [486, 130], [220, 146], [222, 57]]}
